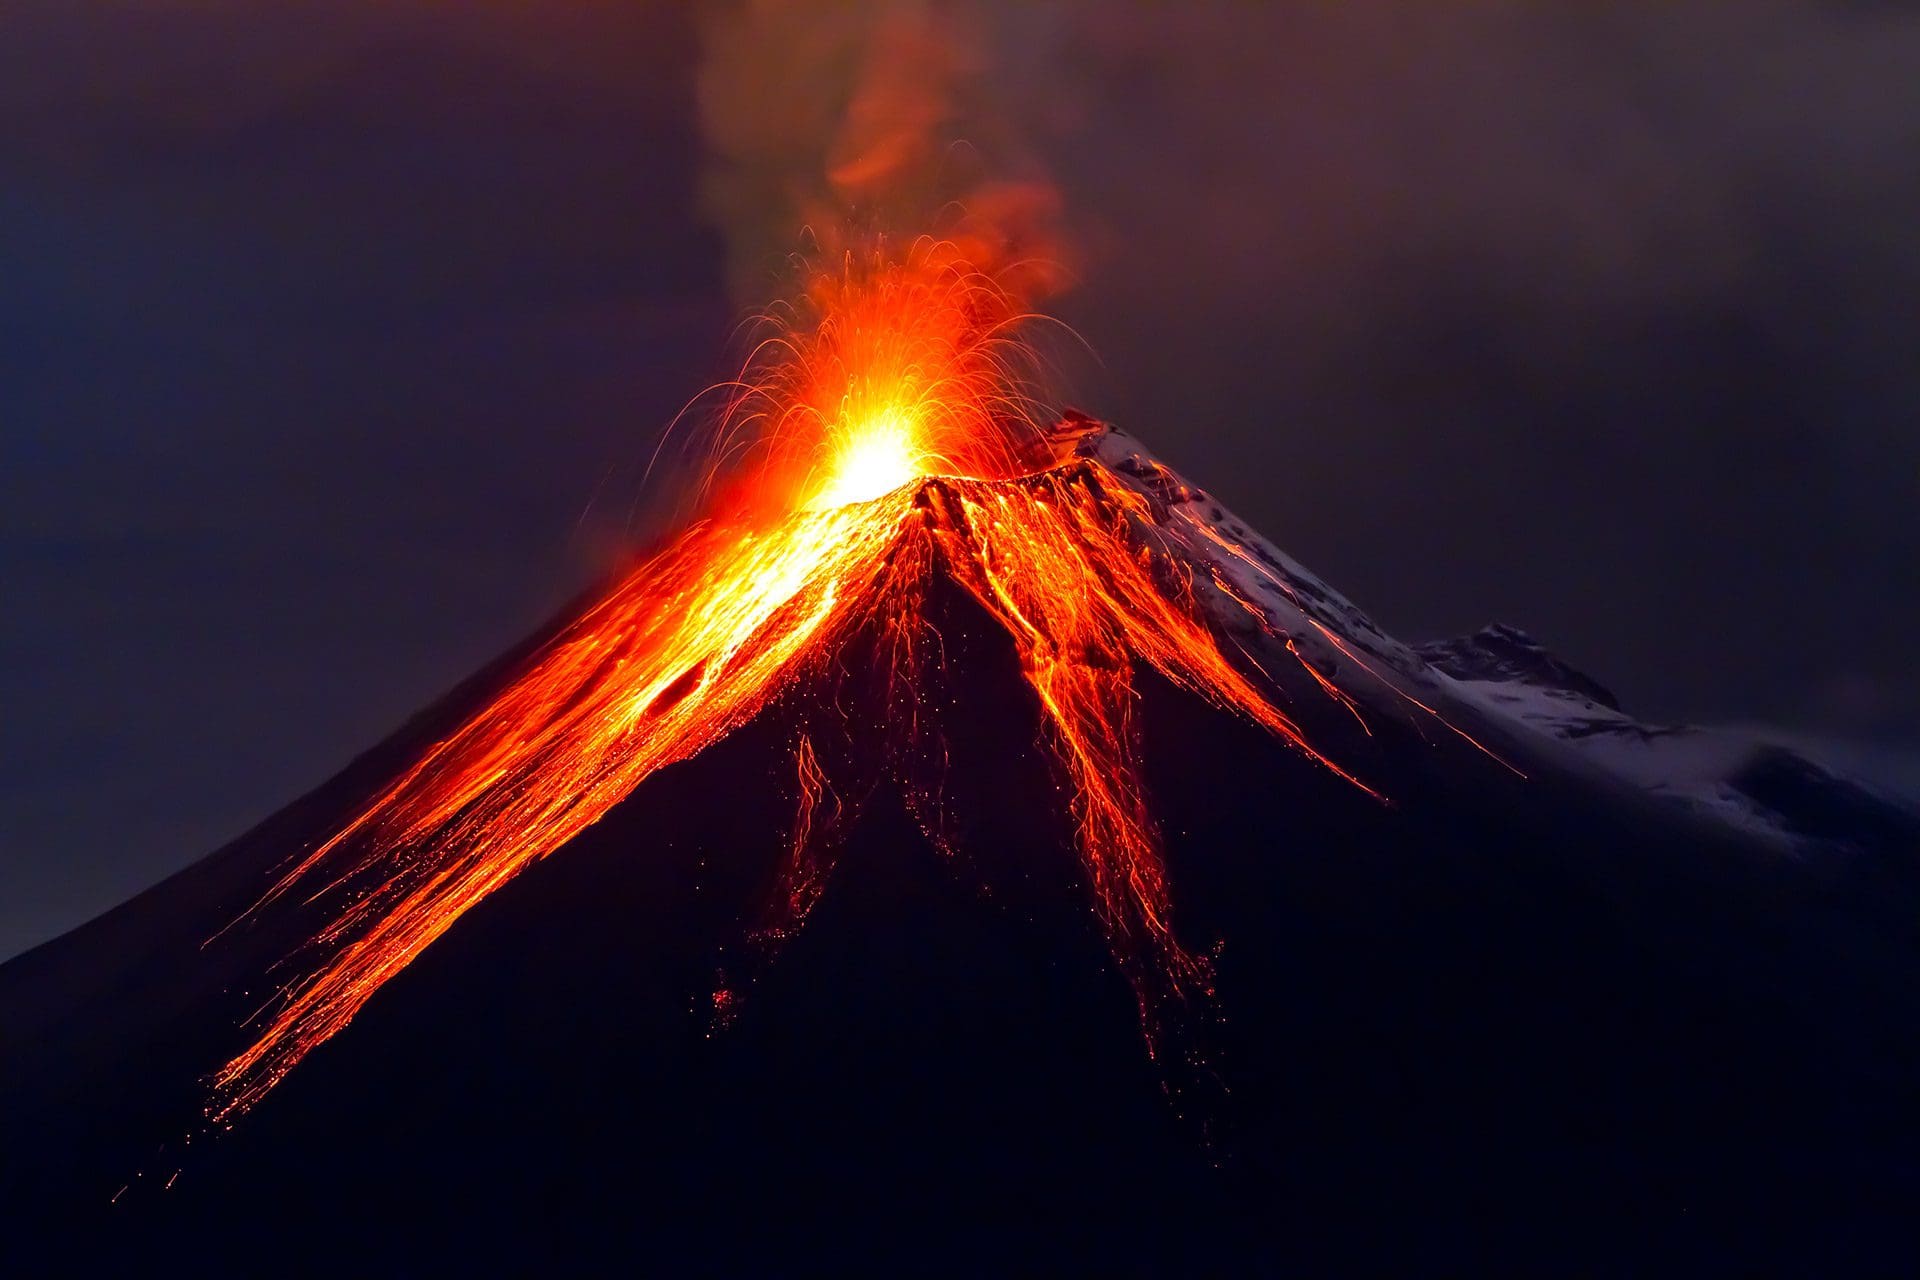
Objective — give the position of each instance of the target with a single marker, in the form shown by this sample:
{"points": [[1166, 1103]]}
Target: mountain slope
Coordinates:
{"points": [[1518, 1015], [1538, 703]]}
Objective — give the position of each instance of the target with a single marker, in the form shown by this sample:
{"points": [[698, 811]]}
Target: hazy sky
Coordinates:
{"points": [[334, 336]]}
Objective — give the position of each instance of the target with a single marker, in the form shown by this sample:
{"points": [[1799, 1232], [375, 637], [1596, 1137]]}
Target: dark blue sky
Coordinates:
{"points": [[334, 337]]}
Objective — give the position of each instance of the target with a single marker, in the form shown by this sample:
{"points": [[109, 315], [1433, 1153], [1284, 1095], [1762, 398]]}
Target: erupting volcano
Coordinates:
{"points": [[953, 842], [891, 437], [1047, 750]]}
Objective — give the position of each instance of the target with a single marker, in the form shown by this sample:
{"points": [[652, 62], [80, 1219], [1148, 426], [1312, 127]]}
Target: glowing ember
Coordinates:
{"points": [[888, 437]]}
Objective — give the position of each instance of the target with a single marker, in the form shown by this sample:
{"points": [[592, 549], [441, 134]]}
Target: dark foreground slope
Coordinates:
{"points": [[1499, 1025]]}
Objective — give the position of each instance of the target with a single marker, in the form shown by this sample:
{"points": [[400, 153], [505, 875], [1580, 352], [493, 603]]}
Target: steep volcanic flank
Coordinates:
{"points": [[1087, 576], [1421, 987]]}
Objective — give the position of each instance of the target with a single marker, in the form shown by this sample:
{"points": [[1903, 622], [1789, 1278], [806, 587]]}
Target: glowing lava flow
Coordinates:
{"points": [[887, 440]]}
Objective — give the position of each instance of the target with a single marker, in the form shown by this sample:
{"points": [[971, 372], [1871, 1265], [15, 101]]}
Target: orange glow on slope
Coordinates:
{"points": [[887, 437], [690, 646]]}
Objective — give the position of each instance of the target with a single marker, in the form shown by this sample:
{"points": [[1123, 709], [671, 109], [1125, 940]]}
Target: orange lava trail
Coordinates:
{"points": [[1253, 562], [685, 651], [816, 822]]}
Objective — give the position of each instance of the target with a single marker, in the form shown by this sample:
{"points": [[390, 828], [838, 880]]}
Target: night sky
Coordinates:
{"points": [[334, 339]]}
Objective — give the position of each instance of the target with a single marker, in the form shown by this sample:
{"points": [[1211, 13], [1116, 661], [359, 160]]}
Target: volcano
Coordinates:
{"points": [[1059, 876]]}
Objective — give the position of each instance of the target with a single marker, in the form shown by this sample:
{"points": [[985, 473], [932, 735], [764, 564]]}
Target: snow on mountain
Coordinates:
{"points": [[1757, 781], [1323, 624], [1751, 778]]}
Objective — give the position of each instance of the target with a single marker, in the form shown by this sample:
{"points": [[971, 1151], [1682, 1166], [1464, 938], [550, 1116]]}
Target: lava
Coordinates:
{"points": [[884, 433]]}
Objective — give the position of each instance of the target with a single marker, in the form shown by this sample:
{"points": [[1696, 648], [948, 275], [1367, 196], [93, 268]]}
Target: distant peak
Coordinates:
{"points": [[1504, 653]]}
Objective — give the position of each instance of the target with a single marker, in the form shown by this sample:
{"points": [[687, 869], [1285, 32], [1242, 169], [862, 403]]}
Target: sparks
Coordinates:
{"points": [[885, 434]]}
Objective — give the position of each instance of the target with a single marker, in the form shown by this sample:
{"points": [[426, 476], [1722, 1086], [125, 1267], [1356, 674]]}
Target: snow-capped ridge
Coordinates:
{"points": [[1746, 780]]}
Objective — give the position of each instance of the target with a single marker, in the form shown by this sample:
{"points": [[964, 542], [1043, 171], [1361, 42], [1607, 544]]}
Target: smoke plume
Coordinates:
{"points": [[830, 124]]}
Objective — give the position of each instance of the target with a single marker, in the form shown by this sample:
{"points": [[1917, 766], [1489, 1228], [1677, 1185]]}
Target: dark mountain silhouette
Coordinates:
{"points": [[1502, 1023]]}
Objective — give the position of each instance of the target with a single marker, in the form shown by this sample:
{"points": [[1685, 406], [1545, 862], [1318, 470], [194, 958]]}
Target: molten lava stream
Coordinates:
{"points": [[689, 647]]}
